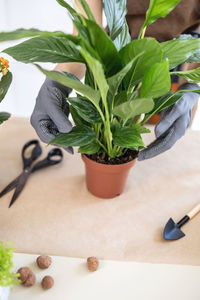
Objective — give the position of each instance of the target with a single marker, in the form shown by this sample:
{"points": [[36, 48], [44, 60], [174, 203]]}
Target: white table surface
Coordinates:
{"points": [[113, 281]]}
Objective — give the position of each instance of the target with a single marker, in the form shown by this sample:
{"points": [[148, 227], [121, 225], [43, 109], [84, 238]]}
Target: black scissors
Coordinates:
{"points": [[54, 157]]}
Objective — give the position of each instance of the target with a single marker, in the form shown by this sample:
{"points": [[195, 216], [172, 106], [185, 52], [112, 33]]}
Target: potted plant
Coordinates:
{"points": [[126, 82], [7, 277], [5, 81]]}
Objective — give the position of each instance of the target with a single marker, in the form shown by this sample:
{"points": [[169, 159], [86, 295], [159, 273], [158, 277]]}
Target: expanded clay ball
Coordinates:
{"points": [[44, 261], [47, 282], [92, 263], [26, 276]]}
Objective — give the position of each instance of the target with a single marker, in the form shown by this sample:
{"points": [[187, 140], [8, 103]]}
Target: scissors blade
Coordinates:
{"points": [[9, 187], [21, 183]]}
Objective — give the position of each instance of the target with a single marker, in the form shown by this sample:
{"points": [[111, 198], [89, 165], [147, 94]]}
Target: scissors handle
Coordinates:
{"points": [[36, 152], [49, 161]]}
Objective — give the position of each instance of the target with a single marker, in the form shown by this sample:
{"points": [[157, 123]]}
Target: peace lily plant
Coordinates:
{"points": [[5, 81], [126, 81]]}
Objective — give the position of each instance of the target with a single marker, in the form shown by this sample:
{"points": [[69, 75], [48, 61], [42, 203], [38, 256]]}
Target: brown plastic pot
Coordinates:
{"points": [[106, 181]]}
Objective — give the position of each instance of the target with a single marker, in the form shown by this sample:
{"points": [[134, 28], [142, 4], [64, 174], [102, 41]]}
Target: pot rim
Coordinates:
{"points": [[107, 166]]}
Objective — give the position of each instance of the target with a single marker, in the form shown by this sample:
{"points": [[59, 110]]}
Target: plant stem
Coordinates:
{"points": [[156, 110], [142, 33], [104, 148]]}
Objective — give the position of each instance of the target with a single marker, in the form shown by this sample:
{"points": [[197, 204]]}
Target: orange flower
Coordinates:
{"points": [[4, 65]]}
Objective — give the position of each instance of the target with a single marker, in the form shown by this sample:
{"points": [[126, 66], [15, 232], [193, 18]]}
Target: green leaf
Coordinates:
{"points": [[195, 57], [140, 129], [165, 101], [70, 9], [32, 32], [4, 116], [123, 38], [116, 79], [98, 73], [48, 49], [79, 136], [178, 51], [130, 109], [115, 12], [104, 47], [127, 137], [4, 85], [87, 10], [156, 81], [159, 9], [152, 53], [76, 117], [191, 76], [89, 148], [66, 80], [120, 98], [85, 109], [89, 78]]}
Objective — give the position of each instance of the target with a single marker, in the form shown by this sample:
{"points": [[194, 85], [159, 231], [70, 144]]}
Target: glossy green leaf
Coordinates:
{"points": [[156, 80], [67, 80], [127, 137], [115, 81], [89, 148], [87, 10], [178, 51], [32, 32], [195, 57], [151, 54], [120, 98], [76, 117], [4, 84], [79, 136], [48, 49], [159, 9], [123, 38], [98, 73], [130, 109], [191, 76], [115, 12], [89, 78], [4, 116], [85, 109], [165, 101], [105, 48], [140, 129]]}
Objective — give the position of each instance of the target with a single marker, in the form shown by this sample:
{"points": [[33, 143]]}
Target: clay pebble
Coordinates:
{"points": [[47, 282], [26, 276], [44, 261], [92, 263]]}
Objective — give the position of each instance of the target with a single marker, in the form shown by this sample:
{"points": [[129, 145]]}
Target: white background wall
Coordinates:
{"points": [[41, 14], [44, 15]]}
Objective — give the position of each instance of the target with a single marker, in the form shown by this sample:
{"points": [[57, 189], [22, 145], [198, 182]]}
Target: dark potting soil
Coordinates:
{"points": [[128, 156]]}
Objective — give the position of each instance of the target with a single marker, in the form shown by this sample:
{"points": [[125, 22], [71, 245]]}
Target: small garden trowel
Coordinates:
{"points": [[172, 230]]}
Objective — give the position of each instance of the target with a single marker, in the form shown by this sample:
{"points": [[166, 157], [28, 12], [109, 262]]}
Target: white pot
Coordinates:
{"points": [[4, 292]]}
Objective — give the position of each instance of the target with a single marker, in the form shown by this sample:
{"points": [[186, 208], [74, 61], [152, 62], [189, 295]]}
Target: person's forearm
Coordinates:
{"points": [[78, 69]]}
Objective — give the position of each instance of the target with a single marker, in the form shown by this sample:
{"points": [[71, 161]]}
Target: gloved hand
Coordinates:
{"points": [[173, 124], [50, 115]]}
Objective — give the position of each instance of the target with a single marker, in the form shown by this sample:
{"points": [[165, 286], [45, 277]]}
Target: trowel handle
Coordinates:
{"points": [[194, 211]]}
